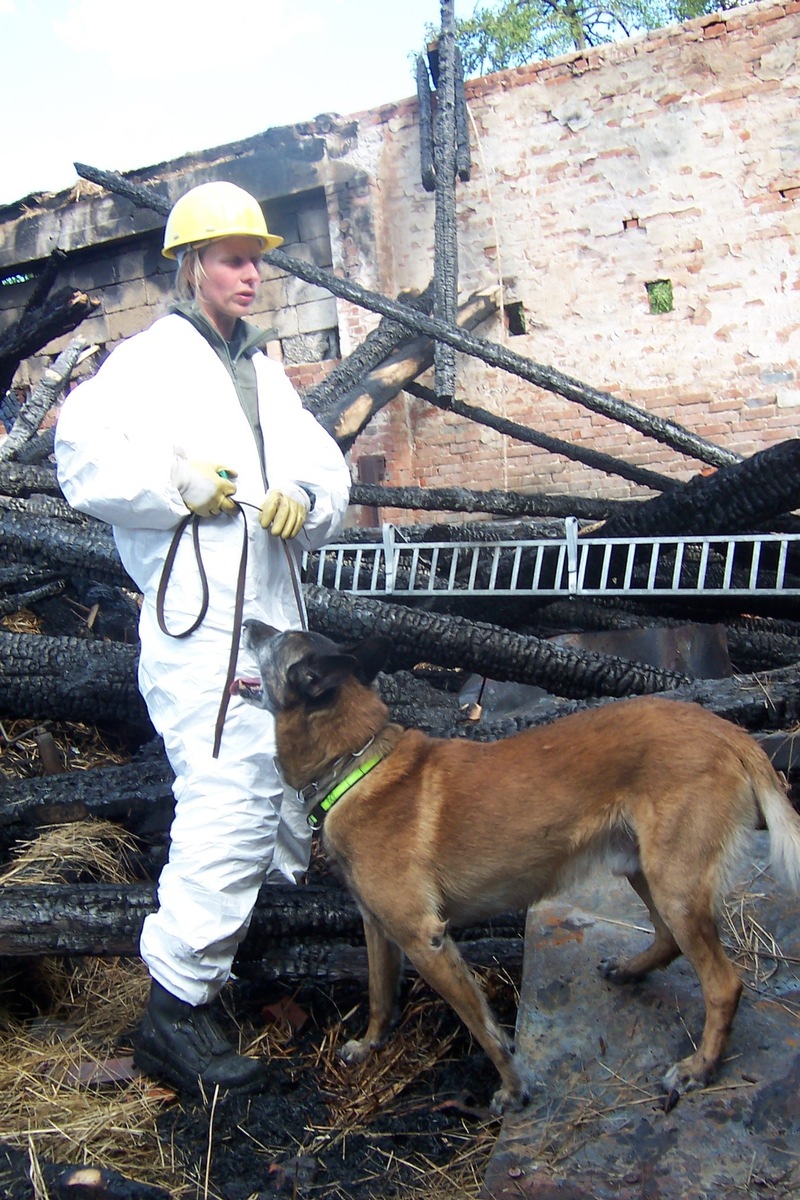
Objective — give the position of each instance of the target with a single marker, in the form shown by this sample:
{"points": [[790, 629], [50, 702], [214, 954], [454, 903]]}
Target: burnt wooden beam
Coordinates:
{"points": [[58, 315], [427, 164], [550, 380], [45, 394], [737, 498], [84, 546], [606, 463], [21, 479], [374, 349], [445, 241], [138, 795], [39, 447], [143, 196], [491, 650], [71, 679], [353, 410], [106, 920], [464, 500]]}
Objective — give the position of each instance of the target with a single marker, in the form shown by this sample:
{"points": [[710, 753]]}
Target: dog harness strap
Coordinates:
{"points": [[314, 818]]}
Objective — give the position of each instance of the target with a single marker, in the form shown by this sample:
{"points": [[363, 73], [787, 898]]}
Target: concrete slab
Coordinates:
{"points": [[596, 1127]]}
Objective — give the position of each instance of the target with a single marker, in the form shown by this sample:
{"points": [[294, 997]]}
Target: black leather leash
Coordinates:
{"points": [[194, 519]]}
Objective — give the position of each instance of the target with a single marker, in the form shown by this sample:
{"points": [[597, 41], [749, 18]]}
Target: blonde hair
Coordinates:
{"points": [[190, 269]]}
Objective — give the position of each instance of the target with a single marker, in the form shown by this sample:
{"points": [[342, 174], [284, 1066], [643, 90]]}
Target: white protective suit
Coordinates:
{"points": [[162, 391]]}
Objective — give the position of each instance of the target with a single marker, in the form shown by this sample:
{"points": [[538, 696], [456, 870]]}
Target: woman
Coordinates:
{"points": [[191, 417]]}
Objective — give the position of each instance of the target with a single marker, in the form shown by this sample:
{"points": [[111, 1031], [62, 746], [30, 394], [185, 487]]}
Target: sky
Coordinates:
{"points": [[122, 84]]}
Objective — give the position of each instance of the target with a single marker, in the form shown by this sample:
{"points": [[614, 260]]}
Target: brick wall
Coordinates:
{"points": [[675, 156]]}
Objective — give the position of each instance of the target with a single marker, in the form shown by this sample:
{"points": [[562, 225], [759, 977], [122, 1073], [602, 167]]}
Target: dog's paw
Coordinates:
{"points": [[682, 1077], [507, 1100], [356, 1050], [615, 971]]}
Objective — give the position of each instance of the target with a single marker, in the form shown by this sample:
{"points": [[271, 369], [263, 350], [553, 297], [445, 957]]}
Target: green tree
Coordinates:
{"points": [[509, 33]]}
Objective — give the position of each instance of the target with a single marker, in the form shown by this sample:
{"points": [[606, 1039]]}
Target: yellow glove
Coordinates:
{"points": [[284, 510], [205, 487]]}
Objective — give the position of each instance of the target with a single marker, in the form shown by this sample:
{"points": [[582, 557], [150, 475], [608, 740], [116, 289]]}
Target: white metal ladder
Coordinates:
{"points": [[751, 564]]}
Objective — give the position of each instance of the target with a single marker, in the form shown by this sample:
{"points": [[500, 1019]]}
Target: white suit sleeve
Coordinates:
{"points": [[114, 457], [299, 450]]}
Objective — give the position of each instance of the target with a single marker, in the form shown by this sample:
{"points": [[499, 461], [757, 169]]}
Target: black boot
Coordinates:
{"points": [[184, 1046]]}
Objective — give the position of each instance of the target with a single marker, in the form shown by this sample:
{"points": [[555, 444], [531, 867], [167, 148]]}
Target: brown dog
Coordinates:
{"points": [[430, 833]]}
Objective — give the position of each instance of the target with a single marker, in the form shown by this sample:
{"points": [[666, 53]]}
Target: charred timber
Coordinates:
{"points": [[478, 646], [532, 437], [464, 500], [106, 919], [547, 378], [445, 241], [84, 547], [375, 348], [353, 409], [42, 506], [12, 602], [738, 498], [38, 448], [330, 961], [71, 679], [137, 795], [52, 383], [58, 315], [18, 479]]}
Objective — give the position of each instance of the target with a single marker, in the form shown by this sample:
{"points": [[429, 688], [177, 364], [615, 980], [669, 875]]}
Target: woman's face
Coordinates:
{"points": [[228, 284]]}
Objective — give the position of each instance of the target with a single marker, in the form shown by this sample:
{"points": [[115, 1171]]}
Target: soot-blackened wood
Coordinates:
{"points": [[145, 197], [427, 164], [547, 378], [106, 919], [84, 547], [47, 391], [351, 412], [463, 500], [17, 479], [58, 315], [295, 933], [445, 242], [332, 961], [740, 498], [12, 602], [38, 448], [532, 437], [45, 506], [138, 795], [375, 348], [71, 679], [478, 646]]}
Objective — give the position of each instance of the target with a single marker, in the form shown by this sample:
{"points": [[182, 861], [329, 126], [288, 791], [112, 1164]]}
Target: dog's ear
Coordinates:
{"points": [[318, 674], [371, 656]]}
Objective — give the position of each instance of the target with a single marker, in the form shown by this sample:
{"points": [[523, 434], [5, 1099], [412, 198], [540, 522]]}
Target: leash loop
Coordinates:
{"points": [[166, 572]]}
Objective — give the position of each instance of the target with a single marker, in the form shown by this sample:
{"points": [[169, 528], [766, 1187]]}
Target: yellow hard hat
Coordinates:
{"points": [[215, 210]]}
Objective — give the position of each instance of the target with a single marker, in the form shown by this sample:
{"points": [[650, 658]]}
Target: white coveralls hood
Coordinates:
{"points": [[162, 392]]}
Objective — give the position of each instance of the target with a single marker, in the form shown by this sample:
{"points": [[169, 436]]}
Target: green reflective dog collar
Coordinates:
{"points": [[325, 805]]}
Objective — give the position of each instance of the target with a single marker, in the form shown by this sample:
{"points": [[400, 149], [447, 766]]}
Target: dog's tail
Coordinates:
{"points": [[782, 821]]}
